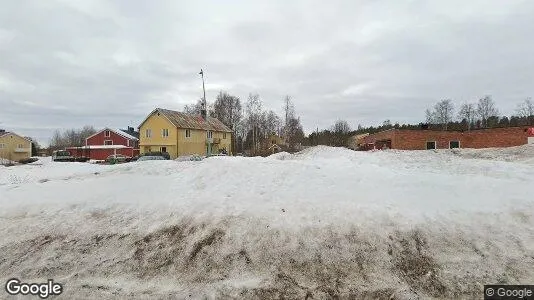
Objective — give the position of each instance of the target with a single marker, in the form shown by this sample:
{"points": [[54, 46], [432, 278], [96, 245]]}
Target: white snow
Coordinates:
{"points": [[323, 220]]}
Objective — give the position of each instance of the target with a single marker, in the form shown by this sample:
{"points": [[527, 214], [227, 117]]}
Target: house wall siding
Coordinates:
{"points": [[176, 143], [99, 139], [156, 123], [11, 144]]}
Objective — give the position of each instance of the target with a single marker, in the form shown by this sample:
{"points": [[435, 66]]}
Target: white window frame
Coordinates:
{"points": [[107, 133], [188, 133], [161, 149], [20, 146], [459, 144], [128, 143], [108, 141], [224, 135], [2, 146], [165, 132], [148, 133], [435, 145], [210, 134]]}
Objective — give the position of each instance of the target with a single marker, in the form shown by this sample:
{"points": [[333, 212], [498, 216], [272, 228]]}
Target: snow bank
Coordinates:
{"points": [[523, 153], [324, 222]]}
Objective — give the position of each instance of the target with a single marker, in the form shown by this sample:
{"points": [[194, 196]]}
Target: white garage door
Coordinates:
{"points": [[531, 140]]}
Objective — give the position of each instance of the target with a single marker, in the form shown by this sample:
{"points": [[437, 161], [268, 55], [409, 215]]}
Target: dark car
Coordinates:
{"points": [[62, 155], [163, 154], [150, 157]]}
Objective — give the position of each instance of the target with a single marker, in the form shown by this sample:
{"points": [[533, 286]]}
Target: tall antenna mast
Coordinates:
{"points": [[203, 108]]}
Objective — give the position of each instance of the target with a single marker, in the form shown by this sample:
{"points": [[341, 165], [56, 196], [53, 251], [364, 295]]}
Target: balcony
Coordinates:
{"points": [[22, 150]]}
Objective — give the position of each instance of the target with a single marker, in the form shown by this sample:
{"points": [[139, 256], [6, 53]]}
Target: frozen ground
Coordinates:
{"points": [[323, 223]]}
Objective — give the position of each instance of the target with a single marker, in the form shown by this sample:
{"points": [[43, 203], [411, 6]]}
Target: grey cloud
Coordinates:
{"points": [[66, 64]]}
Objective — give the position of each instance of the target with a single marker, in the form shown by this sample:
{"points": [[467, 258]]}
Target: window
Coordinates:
{"points": [[454, 144], [224, 135], [21, 146], [107, 133], [165, 132], [108, 142], [188, 133], [148, 133], [2, 146], [210, 134], [163, 149], [430, 145]]}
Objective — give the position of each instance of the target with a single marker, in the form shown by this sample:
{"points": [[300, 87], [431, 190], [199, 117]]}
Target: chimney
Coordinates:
{"points": [[130, 129]]}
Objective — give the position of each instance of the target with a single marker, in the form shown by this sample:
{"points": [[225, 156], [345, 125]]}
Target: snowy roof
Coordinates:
{"points": [[125, 134], [183, 120], [116, 131]]}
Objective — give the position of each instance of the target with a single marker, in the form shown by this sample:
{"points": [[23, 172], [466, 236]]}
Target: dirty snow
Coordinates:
{"points": [[322, 222]]}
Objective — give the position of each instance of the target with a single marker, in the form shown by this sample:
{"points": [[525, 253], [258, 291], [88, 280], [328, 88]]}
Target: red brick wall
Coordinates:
{"points": [[484, 138], [381, 136]]}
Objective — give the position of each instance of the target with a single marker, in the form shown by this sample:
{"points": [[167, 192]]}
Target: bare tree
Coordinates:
{"points": [[429, 116], [71, 137], [526, 110], [227, 109], [295, 133], [341, 127], [486, 109], [272, 123], [289, 112], [468, 113], [254, 109], [443, 112]]}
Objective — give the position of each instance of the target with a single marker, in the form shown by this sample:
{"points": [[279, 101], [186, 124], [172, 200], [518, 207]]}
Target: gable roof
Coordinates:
{"points": [[183, 120], [116, 131], [134, 133], [8, 133]]}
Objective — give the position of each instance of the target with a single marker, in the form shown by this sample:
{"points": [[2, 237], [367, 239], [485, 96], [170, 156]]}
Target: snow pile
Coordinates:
{"points": [[281, 156], [523, 153], [326, 222]]}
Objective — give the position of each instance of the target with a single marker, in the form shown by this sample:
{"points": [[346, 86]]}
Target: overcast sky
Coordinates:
{"points": [[68, 63]]}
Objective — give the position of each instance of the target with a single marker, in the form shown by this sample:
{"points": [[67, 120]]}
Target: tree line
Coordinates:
{"points": [[442, 116], [251, 123], [482, 114], [70, 137]]}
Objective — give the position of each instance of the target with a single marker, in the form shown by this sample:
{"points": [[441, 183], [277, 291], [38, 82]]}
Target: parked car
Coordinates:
{"points": [[62, 155], [150, 157], [117, 158], [193, 157], [163, 154]]}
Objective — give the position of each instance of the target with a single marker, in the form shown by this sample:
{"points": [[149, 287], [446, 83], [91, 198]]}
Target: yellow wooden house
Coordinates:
{"points": [[181, 134], [14, 147]]}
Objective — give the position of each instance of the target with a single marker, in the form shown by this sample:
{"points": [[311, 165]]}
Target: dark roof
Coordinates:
{"points": [[183, 120], [130, 132]]}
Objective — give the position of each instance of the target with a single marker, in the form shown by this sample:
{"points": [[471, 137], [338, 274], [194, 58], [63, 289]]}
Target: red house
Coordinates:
{"points": [[107, 142]]}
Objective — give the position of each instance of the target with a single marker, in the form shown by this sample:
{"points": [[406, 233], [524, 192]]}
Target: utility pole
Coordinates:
{"points": [[203, 108], [203, 113]]}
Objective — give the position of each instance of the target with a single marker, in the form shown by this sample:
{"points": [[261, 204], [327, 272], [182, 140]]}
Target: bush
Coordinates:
{"points": [[28, 160]]}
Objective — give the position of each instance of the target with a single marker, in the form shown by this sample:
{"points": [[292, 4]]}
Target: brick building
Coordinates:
{"points": [[431, 139]]}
